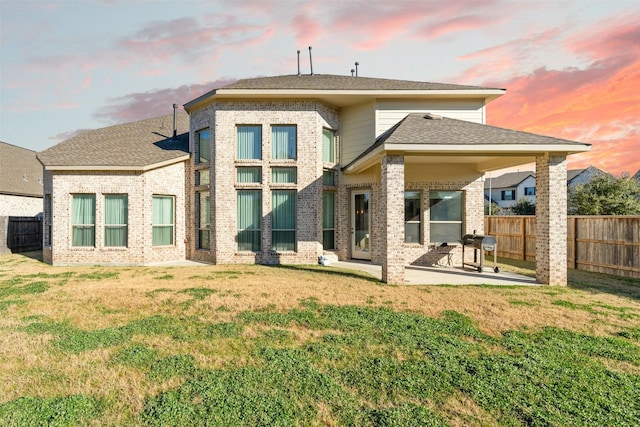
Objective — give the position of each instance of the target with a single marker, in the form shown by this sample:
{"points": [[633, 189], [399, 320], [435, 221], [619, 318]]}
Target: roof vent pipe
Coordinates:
{"points": [[352, 71], [175, 127], [310, 61], [298, 62], [357, 63]]}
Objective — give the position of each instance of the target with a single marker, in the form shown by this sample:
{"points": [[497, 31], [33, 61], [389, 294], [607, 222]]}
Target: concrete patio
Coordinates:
{"points": [[418, 275]]}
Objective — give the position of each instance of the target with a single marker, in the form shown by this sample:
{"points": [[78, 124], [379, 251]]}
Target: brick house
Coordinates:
{"points": [[286, 169]]}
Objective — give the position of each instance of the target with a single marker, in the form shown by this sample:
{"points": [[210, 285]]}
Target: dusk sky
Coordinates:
{"points": [[571, 68]]}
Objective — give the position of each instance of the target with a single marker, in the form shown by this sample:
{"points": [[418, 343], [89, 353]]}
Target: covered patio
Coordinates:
{"points": [[427, 141]]}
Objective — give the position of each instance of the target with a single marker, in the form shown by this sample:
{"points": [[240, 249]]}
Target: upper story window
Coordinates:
{"points": [[249, 142], [283, 142], [529, 191], [251, 174], [329, 177], [508, 194], [284, 175], [116, 213], [83, 220], [203, 146], [202, 177], [328, 145]]}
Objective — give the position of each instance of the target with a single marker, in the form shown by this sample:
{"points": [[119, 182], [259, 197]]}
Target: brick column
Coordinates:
{"points": [[392, 219], [551, 220]]}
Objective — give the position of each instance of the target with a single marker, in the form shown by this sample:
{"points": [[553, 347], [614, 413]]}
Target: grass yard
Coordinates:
{"points": [[285, 346]]}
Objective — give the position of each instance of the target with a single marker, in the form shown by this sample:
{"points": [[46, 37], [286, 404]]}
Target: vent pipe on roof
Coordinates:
{"points": [[357, 63], [298, 62], [310, 61], [175, 127], [352, 71]]}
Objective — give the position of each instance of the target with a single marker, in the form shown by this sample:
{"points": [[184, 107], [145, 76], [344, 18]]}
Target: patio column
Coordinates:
{"points": [[551, 219], [392, 219]]}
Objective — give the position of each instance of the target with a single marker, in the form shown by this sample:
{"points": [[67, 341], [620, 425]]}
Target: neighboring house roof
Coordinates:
{"points": [[327, 86], [508, 180], [428, 133], [637, 175], [140, 145], [21, 173], [587, 173]]}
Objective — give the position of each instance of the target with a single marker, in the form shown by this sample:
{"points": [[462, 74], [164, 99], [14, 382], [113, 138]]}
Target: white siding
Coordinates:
{"points": [[390, 112], [356, 131]]}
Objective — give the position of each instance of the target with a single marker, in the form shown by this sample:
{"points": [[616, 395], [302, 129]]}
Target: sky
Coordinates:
{"points": [[571, 68]]}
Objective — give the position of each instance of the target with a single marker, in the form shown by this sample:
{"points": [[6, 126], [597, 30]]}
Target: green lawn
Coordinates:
{"points": [[254, 345]]}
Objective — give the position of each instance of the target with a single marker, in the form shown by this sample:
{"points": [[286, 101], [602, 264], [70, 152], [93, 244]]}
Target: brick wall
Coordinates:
{"points": [[221, 118], [140, 188]]}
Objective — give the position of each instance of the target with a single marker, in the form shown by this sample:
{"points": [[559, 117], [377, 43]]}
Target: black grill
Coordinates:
{"points": [[482, 244]]}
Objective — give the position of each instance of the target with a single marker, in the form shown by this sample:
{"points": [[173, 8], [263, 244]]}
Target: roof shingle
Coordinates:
{"points": [[131, 145]]}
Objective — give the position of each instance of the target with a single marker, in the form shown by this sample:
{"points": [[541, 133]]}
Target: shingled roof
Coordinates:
{"points": [[130, 146], [323, 86], [21, 172], [508, 180], [430, 131], [337, 82]]}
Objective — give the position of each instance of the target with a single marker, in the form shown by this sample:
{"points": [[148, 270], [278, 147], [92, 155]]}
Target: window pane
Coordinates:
{"points": [[412, 216], [162, 221], [249, 174], [329, 178], [284, 175], [445, 232], [249, 215], [203, 146], [445, 205], [202, 177], [283, 142], [203, 213], [249, 142], [328, 220], [283, 220], [115, 219], [83, 220], [328, 145]]}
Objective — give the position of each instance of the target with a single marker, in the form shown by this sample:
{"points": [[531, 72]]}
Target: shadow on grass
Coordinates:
{"points": [[331, 271], [589, 281], [37, 255]]}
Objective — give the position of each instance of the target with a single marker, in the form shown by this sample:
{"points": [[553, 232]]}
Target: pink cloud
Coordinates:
{"points": [[598, 104], [141, 105], [67, 135]]}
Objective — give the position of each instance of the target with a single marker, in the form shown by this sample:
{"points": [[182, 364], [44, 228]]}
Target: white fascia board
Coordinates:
{"points": [[116, 168], [488, 148]]}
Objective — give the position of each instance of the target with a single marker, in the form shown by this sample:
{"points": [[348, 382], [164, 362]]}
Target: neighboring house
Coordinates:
{"points": [[20, 182], [290, 168], [20, 196], [506, 189], [117, 195], [637, 176]]}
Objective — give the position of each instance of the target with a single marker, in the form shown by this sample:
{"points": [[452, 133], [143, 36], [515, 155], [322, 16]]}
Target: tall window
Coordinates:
{"points": [[328, 145], [283, 236], [203, 146], [328, 220], [445, 211], [162, 221], [283, 142], [249, 217], [249, 142], [203, 212], [115, 219], [83, 220], [412, 216]]}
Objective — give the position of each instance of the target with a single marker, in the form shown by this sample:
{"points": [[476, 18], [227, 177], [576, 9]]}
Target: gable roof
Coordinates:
{"points": [[508, 180], [429, 133], [339, 90], [140, 145], [21, 173]]}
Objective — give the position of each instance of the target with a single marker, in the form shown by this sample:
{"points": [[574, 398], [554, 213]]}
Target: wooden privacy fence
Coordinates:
{"points": [[605, 244], [24, 234]]}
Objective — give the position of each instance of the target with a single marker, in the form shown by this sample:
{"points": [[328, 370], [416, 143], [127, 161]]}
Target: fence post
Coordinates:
{"points": [[523, 233], [575, 243]]}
